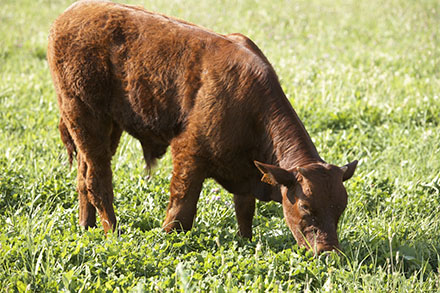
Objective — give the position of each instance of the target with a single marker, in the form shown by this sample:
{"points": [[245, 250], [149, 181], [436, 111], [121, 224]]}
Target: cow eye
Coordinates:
{"points": [[303, 207], [305, 210]]}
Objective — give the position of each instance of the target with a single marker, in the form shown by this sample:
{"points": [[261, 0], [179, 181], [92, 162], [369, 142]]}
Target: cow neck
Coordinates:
{"points": [[292, 145]]}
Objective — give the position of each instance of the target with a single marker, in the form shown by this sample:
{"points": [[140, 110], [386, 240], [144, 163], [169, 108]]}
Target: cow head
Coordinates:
{"points": [[313, 198]]}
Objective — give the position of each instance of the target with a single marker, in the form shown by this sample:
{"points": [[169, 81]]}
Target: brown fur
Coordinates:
{"points": [[214, 98]]}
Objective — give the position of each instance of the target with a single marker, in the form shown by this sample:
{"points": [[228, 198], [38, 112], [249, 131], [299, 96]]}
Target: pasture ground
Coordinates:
{"points": [[364, 78]]}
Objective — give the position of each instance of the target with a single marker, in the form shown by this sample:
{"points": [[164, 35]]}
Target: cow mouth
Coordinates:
{"points": [[317, 245], [320, 248]]}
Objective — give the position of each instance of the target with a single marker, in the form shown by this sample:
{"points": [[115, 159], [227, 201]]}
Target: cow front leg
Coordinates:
{"points": [[244, 211], [185, 187]]}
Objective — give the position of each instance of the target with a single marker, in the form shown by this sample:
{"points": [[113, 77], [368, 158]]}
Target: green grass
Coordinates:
{"points": [[363, 76]]}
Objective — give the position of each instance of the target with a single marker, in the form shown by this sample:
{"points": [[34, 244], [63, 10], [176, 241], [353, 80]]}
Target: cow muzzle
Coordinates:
{"points": [[323, 247]]}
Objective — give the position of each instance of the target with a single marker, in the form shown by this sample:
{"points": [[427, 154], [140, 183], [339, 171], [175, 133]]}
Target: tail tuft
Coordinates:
{"points": [[67, 140]]}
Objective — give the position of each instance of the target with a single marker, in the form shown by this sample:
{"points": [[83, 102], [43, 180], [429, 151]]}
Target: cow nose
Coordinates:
{"points": [[322, 247]]}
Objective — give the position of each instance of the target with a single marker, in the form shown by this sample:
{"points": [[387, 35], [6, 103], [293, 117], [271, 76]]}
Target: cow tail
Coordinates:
{"points": [[67, 140]]}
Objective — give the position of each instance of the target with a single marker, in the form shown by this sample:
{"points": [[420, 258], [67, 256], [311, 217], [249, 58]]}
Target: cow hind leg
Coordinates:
{"points": [[96, 138], [244, 211], [99, 189], [87, 212]]}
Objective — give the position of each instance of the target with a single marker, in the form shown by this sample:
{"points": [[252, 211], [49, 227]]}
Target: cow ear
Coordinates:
{"points": [[349, 170], [275, 175]]}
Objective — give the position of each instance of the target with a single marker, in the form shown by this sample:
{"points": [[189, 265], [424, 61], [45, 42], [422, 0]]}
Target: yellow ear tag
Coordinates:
{"points": [[268, 179]]}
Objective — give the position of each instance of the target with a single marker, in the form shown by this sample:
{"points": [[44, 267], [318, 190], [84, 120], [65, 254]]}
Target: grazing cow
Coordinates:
{"points": [[214, 98]]}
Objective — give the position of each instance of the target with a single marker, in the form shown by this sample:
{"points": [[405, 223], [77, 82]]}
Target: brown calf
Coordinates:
{"points": [[214, 98]]}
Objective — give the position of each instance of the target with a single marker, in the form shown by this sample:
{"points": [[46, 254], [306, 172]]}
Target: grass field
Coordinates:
{"points": [[364, 76]]}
